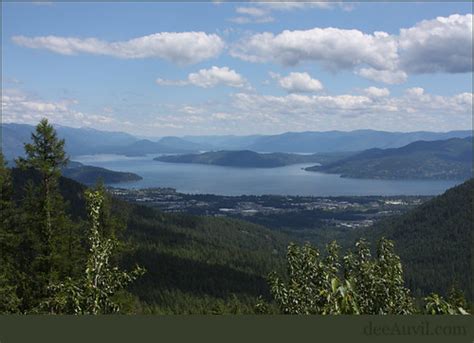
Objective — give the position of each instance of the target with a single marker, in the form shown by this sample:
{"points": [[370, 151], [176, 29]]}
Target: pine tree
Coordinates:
{"points": [[9, 300], [45, 223]]}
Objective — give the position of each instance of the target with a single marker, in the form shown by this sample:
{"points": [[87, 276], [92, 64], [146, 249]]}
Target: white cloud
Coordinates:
{"points": [[207, 78], [252, 20], [391, 77], [19, 107], [252, 11], [298, 83], [416, 110], [415, 91], [179, 47], [283, 5], [377, 92], [334, 48], [443, 44], [254, 15], [260, 12]]}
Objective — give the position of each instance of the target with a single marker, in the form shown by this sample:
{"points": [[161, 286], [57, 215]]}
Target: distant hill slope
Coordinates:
{"points": [[145, 146], [250, 159], [89, 175], [331, 141], [87, 141], [79, 141], [434, 241], [446, 159]]}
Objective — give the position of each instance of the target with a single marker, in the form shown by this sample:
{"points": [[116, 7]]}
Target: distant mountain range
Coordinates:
{"points": [[82, 141], [444, 159], [86, 141], [331, 141], [144, 146], [250, 159]]}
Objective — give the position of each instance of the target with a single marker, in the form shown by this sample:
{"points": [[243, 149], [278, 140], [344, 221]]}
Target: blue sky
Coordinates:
{"points": [[156, 69]]}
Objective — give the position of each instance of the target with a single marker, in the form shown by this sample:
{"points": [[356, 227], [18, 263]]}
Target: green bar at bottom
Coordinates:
{"points": [[222, 329]]}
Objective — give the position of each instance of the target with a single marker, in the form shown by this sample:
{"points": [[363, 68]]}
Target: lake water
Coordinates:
{"points": [[289, 180]]}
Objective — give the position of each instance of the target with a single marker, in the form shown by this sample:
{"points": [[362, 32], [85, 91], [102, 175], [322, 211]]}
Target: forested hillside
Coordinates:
{"points": [[447, 159], [434, 241], [193, 264]]}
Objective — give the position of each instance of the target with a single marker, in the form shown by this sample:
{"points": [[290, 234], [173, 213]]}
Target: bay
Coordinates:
{"points": [[288, 180]]}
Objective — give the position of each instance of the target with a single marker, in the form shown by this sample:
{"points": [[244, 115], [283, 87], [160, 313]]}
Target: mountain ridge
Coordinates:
{"points": [[449, 159]]}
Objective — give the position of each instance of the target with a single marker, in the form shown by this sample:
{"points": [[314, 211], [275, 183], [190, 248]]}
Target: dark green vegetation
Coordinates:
{"points": [[250, 159], [55, 234], [90, 175], [434, 241], [447, 159], [193, 264]]}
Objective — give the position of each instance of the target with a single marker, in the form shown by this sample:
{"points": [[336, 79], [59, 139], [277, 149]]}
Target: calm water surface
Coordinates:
{"points": [[289, 180]]}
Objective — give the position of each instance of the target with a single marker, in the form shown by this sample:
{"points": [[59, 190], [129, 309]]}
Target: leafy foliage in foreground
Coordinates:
{"points": [[94, 292], [362, 284]]}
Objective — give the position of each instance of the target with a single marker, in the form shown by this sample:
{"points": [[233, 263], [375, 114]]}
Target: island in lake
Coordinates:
{"points": [[90, 175], [251, 159]]}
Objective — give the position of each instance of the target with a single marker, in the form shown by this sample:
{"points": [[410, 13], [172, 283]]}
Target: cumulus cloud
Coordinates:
{"points": [[415, 91], [179, 47], [443, 44], [207, 78], [377, 92], [334, 48], [298, 83]]}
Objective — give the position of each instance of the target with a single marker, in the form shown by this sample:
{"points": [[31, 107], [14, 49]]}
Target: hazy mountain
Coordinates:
{"points": [[250, 159], [145, 146], [445, 159], [226, 142], [182, 144], [79, 141], [330, 141], [87, 141]]}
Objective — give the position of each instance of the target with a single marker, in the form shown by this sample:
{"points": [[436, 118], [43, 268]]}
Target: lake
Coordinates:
{"points": [[289, 180]]}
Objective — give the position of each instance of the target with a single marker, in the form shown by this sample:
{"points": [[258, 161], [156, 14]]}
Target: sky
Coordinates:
{"points": [[217, 68]]}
